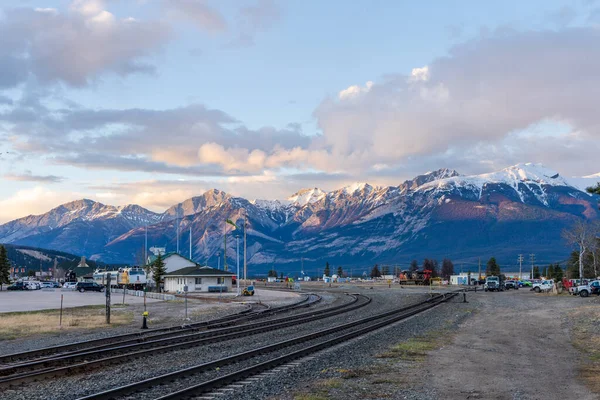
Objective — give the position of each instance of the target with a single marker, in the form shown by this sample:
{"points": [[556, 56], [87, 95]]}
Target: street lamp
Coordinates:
{"points": [[237, 254]]}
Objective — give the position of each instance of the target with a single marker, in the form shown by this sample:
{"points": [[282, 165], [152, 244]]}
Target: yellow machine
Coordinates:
{"points": [[248, 291]]}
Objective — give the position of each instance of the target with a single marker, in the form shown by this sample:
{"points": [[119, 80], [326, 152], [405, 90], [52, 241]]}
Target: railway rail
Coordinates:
{"points": [[254, 311], [103, 355], [323, 339]]}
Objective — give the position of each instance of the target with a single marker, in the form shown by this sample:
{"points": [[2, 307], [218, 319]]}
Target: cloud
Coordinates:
{"points": [[27, 176], [474, 98], [254, 19], [354, 91], [199, 13], [76, 46]]}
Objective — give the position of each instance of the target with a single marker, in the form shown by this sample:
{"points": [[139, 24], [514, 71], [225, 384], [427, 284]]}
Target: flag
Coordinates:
{"points": [[231, 223]]}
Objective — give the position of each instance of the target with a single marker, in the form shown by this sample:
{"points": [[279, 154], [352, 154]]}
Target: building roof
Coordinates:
{"points": [[199, 271], [152, 257]]}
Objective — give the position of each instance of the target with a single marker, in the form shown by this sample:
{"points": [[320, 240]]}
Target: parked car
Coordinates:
{"points": [[47, 284], [33, 285], [69, 285], [591, 288], [525, 284], [18, 286], [543, 286], [89, 287], [511, 285]]}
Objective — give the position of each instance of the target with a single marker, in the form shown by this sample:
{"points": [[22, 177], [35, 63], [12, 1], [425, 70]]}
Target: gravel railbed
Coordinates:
{"points": [[164, 314], [355, 354], [153, 365]]}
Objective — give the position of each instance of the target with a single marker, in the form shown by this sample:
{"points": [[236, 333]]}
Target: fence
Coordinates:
{"points": [[140, 293]]}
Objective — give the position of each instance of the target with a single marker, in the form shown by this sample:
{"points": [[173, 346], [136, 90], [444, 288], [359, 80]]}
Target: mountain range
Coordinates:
{"points": [[520, 209]]}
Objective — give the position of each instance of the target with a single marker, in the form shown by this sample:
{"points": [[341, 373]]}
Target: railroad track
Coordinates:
{"points": [[103, 355], [255, 311], [311, 343]]}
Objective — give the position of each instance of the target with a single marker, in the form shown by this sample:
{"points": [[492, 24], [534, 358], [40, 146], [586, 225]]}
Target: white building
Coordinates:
{"points": [[198, 279], [173, 261]]}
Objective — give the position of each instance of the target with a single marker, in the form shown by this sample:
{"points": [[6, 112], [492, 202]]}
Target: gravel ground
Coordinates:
{"points": [[162, 363]]}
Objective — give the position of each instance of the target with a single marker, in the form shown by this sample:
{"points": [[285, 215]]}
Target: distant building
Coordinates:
{"points": [[82, 263], [199, 279]]}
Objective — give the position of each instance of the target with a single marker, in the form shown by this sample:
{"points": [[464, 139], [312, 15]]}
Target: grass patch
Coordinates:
{"points": [[414, 349], [22, 324], [333, 383], [310, 397]]}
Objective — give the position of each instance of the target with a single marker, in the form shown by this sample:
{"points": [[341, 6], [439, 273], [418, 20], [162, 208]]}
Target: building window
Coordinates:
{"points": [[220, 281], [198, 281]]}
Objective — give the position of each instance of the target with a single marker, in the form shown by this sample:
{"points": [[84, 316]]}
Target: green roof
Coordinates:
{"points": [[199, 271]]}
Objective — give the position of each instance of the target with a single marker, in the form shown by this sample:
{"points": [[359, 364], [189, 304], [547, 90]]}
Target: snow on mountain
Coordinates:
{"points": [[584, 182], [306, 196], [357, 187], [520, 177]]}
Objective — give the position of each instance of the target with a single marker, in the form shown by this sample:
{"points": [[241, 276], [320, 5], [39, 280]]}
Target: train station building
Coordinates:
{"points": [[199, 279]]}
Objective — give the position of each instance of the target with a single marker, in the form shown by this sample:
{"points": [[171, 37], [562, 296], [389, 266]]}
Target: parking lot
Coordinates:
{"points": [[46, 299]]}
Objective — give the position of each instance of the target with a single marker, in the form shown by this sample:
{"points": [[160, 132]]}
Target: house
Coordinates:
{"points": [[199, 279]]}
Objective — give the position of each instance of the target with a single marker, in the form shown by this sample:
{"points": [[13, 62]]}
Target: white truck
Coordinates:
{"points": [[592, 287], [543, 286], [493, 283]]}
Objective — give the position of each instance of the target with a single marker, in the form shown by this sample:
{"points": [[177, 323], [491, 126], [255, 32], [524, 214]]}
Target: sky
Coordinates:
{"points": [[154, 101]]}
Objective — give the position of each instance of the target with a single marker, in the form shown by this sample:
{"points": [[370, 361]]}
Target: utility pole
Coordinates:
{"points": [[245, 265], [177, 219], [146, 246], [225, 249], [520, 259], [479, 277], [191, 242], [532, 258]]}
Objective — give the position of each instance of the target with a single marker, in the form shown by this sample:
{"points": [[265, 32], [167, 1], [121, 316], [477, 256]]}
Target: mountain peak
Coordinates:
{"points": [[305, 196], [357, 187], [430, 176]]}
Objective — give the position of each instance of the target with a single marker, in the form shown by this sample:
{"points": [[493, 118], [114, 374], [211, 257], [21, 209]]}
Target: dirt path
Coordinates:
{"points": [[515, 347]]}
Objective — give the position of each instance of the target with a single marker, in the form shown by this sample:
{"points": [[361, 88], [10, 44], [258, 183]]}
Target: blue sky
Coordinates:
{"points": [[248, 96]]}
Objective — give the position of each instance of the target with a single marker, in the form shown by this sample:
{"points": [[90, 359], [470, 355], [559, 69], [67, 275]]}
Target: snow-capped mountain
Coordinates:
{"points": [[519, 209]]}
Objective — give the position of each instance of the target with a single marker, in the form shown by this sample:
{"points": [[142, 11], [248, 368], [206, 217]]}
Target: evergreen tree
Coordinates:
{"points": [[595, 189], [327, 271], [272, 274], [573, 265], [492, 268], [385, 270], [550, 271], [536, 272], [447, 269], [4, 267], [558, 273], [158, 270], [414, 265], [340, 271], [375, 273]]}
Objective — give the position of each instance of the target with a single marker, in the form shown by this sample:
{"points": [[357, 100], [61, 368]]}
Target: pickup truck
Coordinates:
{"points": [[543, 286], [591, 288]]}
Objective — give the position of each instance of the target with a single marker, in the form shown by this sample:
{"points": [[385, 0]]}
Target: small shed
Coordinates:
{"points": [[199, 279]]}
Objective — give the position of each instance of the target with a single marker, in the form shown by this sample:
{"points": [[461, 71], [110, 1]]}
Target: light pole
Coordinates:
{"points": [[237, 253]]}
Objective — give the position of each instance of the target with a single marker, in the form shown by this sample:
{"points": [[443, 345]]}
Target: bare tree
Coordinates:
{"points": [[579, 235], [594, 245]]}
